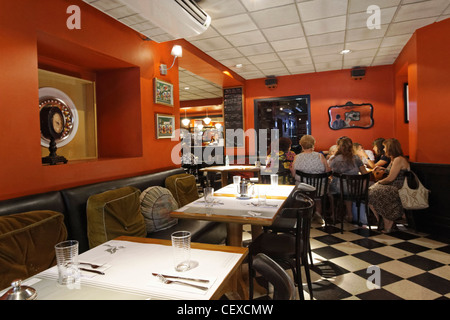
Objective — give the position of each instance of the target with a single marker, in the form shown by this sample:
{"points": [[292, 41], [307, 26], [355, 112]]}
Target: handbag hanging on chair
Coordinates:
{"points": [[414, 199]]}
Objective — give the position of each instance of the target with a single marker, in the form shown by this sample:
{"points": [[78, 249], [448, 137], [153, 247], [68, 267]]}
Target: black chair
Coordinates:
{"points": [[320, 182], [273, 273], [288, 247], [354, 188]]}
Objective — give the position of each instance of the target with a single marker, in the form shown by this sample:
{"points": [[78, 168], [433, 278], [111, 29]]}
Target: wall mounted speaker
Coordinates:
{"points": [[271, 82], [358, 73]]}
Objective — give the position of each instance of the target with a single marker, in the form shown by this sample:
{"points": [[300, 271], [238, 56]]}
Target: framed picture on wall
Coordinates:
{"points": [[165, 126], [163, 92]]}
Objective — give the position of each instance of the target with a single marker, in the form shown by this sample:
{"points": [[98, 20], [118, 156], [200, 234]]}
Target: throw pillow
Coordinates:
{"points": [[114, 213], [156, 205]]}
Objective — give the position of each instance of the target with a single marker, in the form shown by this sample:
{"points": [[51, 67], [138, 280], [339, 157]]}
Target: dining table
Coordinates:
{"points": [[225, 170], [231, 208], [126, 268]]}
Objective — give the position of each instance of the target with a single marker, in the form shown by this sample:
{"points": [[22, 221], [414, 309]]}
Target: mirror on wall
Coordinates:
{"points": [[351, 115]]}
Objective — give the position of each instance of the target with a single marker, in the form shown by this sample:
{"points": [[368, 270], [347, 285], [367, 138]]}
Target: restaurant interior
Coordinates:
{"points": [[291, 64]]}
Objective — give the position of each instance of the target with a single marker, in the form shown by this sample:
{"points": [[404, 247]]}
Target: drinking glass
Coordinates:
{"points": [[261, 196], [208, 193], [181, 247], [67, 262], [236, 182], [274, 180]]}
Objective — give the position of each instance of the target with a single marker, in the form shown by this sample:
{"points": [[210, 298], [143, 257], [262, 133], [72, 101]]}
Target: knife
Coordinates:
{"points": [[94, 271], [181, 278]]}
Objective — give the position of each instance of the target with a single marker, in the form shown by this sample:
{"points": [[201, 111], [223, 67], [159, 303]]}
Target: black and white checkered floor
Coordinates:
{"points": [[412, 266]]}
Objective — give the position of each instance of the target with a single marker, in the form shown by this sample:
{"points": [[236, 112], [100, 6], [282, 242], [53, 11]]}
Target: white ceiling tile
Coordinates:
{"points": [[301, 69], [330, 49], [328, 58], [261, 58], [384, 60], [366, 33], [283, 32], [400, 40], [269, 65], [363, 44], [320, 9], [293, 54], [362, 5], [106, 4], [246, 38], [121, 12], [408, 27], [325, 25], [328, 66], [253, 5], [218, 8], [281, 71], [234, 24], [326, 39], [276, 16], [209, 33], [369, 53], [252, 75], [211, 44], [425, 9], [443, 17], [289, 44], [361, 62], [390, 50], [300, 61], [359, 20], [225, 54]]}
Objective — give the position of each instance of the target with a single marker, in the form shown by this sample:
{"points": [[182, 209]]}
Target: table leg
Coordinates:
{"points": [[235, 239], [224, 175]]}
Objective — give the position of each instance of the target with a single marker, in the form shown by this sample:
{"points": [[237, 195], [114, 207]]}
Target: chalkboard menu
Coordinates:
{"points": [[233, 116]]}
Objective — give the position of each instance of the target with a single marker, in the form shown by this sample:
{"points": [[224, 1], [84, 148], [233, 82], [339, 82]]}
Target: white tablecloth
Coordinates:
{"points": [[131, 266]]}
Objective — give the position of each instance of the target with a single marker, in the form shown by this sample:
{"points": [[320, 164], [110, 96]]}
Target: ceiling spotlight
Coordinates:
{"points": [[346, 51], [239, 65]]}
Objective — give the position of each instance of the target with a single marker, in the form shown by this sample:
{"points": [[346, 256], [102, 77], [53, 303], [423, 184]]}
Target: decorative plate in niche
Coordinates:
{"points": [[52, 97]]}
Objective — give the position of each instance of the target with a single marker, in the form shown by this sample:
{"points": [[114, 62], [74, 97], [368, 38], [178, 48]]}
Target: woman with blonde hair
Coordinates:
{"points": [[310, 161], [384, 200]]}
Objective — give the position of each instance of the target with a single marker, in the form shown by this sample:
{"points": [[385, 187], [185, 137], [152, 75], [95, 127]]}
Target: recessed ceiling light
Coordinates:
{"points": [[346, 51], [186, 88], [239, 65]]}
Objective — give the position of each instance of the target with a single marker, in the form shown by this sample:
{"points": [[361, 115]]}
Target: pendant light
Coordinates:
{"points": [[207, 120], [185, 121]]}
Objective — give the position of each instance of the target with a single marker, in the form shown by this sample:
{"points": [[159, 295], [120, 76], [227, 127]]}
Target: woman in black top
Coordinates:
{"points": [[381, 160]]}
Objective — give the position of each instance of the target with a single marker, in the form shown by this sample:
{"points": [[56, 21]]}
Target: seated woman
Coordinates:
{"points": [[284, 156], [345, 162], [383, 195], [364, 155], [310, 161], [381, 160]]}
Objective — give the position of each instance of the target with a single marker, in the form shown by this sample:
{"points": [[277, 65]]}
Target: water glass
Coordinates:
{"points": [[236, 182], [261, 196], [181, 247], [274, 180], [67, 262], [208, 193]]}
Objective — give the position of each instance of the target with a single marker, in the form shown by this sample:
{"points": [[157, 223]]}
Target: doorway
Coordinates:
{"points": [[290, 115]]}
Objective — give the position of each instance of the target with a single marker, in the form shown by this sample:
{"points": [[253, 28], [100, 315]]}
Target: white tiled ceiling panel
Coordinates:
{"points": [[282, 37]]}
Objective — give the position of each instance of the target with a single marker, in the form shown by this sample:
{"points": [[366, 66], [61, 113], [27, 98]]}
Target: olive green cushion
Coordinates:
{"points": [[114, 213], [156, 205], [27, 243], [183, 188]]}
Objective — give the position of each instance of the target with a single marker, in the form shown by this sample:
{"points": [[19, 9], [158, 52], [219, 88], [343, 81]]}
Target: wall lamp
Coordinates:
{"points": [[177, 51]]}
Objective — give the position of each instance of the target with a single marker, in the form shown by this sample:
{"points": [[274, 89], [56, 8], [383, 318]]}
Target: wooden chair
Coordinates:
{"points": [[354, 188], [320, 182], [291, 248]]}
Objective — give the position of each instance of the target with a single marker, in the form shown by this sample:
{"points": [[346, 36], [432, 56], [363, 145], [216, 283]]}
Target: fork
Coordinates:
{"points": [[167, 281], [93, 266]]}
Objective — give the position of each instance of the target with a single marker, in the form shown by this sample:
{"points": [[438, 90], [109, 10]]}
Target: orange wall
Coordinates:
{"points": [[332, 88], [29, 28], [424, 63]]}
